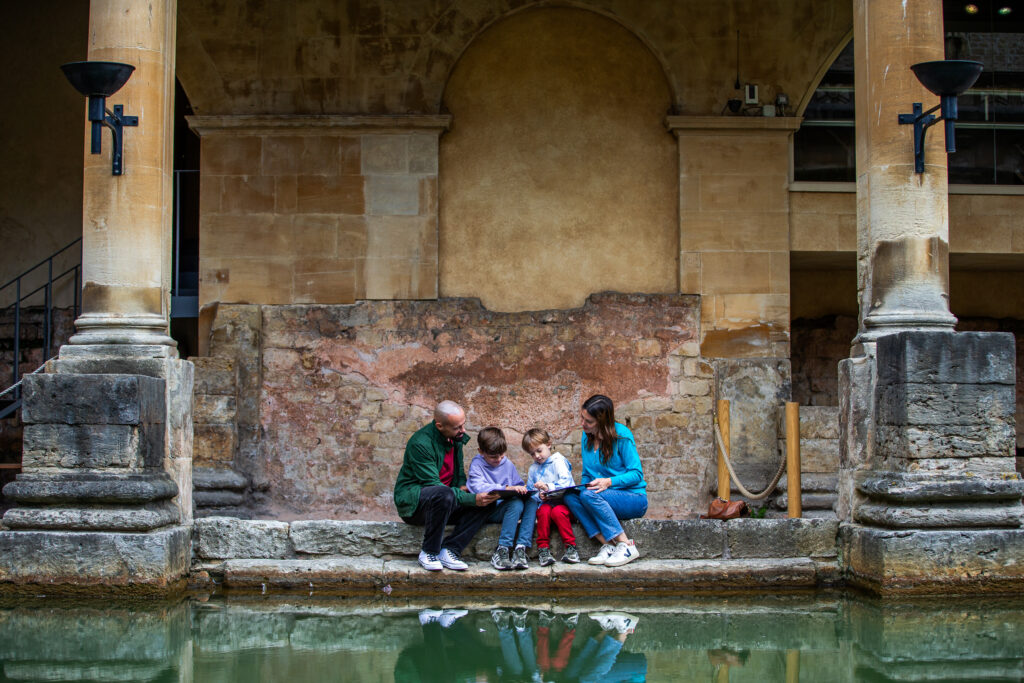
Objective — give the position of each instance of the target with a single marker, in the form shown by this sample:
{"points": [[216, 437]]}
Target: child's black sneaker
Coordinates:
{"points": [[544, 557], [500, 558], [519, 558], [571, 555]]}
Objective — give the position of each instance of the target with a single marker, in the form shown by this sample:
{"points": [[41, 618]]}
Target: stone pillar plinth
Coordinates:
{"points": [[126, 226], [936, 505], [104, 501], [902, 216]]}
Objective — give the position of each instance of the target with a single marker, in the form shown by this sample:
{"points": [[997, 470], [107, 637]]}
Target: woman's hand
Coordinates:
{"points": [[600, 484], [522, 490]]}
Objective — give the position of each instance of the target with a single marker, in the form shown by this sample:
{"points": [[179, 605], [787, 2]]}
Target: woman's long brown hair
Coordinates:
{"points": [[600, 408]]}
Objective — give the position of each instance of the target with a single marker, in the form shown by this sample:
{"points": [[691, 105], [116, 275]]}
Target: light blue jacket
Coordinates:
{"points": [[623, 468], [556, 471]]}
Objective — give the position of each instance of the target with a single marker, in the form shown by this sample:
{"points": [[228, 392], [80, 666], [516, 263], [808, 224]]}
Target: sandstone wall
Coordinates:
{"points": [[555, 186], [341, 389]]}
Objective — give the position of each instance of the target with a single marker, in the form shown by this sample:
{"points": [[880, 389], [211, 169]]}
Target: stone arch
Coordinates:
{"points": [[558, 177]]}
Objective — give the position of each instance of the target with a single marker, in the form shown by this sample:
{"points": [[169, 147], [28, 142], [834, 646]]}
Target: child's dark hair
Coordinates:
{"points": [[491, 441], [535, 437]]}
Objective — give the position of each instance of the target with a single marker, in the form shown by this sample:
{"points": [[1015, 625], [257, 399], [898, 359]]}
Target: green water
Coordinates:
{"points": [[750, 638]]}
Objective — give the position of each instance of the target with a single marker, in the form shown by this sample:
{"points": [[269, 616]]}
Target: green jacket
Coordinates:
{"points": [[421, 466]]}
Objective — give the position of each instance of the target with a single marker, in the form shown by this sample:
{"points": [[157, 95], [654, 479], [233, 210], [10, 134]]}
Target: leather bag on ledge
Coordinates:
{"points": [[726, 509]]}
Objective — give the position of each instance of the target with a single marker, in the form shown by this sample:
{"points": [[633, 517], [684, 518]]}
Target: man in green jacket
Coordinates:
{"points": [[430, 489]]}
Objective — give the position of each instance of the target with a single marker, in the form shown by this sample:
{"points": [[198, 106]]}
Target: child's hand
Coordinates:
{"points": [[541, 486]]}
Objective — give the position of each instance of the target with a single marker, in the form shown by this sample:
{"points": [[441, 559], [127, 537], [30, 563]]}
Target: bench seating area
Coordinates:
{"points": [[356, 557]]}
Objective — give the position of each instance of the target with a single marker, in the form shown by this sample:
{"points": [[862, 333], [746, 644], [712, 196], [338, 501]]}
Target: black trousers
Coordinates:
{"points": [[439, 507]]}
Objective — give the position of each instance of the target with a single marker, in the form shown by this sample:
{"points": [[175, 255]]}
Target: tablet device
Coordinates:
{"points": [[509, 493]]}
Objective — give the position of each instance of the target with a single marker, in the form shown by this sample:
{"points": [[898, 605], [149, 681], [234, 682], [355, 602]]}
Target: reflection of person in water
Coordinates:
{"points": [[545, 661], [450, 651], [602, 659], [516, 640]]}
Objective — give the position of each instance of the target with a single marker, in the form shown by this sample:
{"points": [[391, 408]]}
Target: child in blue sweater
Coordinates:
{"points": [[492, 471]]}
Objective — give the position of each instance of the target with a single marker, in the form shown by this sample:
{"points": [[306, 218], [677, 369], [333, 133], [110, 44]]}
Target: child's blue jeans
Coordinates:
{"points": [[509, 513]]}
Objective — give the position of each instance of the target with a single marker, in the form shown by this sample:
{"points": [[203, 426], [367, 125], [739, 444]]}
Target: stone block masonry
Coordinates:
{"points": [[341, 389]]}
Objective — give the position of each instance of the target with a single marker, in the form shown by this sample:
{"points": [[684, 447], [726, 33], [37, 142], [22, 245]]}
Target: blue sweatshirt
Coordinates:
{"points": [[623, 468], [483, 478]]}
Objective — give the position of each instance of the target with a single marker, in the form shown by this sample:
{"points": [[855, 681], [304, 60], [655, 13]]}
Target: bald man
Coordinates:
{"points": [[430, 490]]}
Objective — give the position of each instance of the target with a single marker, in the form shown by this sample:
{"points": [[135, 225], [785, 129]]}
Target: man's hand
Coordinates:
{"points": [[485, 499], [598, 485]]}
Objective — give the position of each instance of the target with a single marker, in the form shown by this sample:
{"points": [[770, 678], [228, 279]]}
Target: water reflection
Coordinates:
{"points": [[768, 638]]}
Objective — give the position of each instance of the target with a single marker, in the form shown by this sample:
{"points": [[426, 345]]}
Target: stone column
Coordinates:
{"points": [[927, 474], [104, 501], [126, 226], [902, 216]]}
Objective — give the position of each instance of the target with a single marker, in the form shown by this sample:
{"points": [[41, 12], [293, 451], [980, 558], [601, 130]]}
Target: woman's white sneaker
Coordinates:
{"points": [[602, 555], [623, 554]]}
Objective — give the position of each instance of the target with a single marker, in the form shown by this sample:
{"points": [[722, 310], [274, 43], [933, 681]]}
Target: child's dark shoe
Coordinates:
{"points": [[500, 559], [519, 558], [571, 555], [544, 556]]}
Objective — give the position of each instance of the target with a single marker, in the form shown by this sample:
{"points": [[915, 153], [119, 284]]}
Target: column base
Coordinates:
{"points": [[938, 562], [94, 562]]}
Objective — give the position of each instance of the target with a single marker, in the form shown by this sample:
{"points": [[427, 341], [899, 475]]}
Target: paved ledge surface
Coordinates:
{"points": [[363, 576], [228, 538]]}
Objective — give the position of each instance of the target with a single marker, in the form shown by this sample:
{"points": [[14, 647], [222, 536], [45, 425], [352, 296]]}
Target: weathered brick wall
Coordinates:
{"points": [[818, 346], [343, 387]]}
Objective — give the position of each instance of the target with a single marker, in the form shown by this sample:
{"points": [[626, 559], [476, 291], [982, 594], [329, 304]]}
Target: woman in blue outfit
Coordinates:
{"points": [[615, 486]]}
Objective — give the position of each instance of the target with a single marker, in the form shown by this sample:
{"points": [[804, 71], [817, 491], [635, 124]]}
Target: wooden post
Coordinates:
{"points": [[723, 472], [793, 459]]}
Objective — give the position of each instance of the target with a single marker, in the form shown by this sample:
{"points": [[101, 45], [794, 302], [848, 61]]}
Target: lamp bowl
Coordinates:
{"points": [[97, 79], [947, 77]]}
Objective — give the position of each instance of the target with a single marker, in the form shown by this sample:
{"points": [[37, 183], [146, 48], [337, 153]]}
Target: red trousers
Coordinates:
{"points": [[560, 514], [544, 659]]}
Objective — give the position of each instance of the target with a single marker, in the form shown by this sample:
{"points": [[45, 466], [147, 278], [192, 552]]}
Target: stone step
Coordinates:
{"points": [[228, 538], [365, 576]]}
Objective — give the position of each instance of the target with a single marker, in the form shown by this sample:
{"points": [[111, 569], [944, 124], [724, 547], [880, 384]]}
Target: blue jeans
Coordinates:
{"points": [[508, 514], [599, 513]]}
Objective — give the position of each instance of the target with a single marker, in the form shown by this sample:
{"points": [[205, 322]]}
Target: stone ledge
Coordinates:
{"points": [[406, 577], [230, 538], [70, 561]]}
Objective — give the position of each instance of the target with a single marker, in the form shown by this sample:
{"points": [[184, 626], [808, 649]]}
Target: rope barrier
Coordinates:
{"points": [[736, 480]]}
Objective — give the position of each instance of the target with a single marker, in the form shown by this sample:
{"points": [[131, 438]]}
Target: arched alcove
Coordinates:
{"points": [[558, 177]]}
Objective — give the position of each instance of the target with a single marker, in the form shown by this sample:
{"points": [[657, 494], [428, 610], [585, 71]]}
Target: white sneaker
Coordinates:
{"points": [[602, 555], [429, 616], [623, 554], [449, 616], [430, 562], [622, 622], [451, 560], [604, 620]]}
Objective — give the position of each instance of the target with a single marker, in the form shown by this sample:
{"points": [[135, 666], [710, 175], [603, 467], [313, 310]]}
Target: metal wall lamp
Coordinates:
{"points": [[98, 81], [947, 78]]}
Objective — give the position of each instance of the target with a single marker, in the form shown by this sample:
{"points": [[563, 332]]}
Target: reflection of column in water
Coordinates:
{"points": [[78, 643]]}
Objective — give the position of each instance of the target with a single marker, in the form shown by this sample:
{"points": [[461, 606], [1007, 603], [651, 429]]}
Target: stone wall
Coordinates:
{"points": [[325, 211], [341, 389]]}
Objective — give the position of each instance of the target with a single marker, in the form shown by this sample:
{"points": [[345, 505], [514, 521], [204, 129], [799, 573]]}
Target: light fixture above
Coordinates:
{"points": [[98, 81], [947, 78]]}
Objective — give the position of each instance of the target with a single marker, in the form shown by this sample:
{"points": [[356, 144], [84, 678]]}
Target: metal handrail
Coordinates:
{"points": [[47, 289]]}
